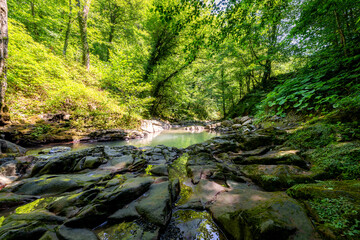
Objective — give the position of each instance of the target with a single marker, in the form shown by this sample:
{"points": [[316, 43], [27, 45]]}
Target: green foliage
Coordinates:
{"points": [[340, 160], [339, 215], [41, 130], [41, 82]]}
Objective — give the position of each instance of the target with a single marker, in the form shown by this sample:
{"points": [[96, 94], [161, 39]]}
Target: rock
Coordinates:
{"points": [[252, 214], [190, 224], [274, 157], [248, 122], [42, 216], [241, 120], [65, 163], [55, 150], [153, 126], [276, 177], [92, 162], [8, 147], [254, 141], [8, 200], [201, 172], [159, 170], [45, 186], [236, 126], [226, 123], [108, 135], [129, 231], [126, 213], [327, 189], [204, 194], [256, 152], [126, 193], [23, 230], [28, 226], [49, 235], [69, 205], [155, 207], [66, 233]]}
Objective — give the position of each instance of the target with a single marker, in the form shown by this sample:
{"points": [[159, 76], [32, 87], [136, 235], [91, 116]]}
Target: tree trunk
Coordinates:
{"points": [[68, 29], [341, 32], [4, 115], [82, 17]]}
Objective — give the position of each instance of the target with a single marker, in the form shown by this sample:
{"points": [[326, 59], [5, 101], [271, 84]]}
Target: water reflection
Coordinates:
{"points": [[195, 225], [179, 138]]}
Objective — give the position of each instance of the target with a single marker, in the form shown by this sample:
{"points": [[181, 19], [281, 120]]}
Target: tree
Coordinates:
{"points": [[68, 29], [82, 17], [3, 56]]}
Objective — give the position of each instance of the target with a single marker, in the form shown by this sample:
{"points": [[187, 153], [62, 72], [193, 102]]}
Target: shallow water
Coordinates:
{"points": [[172, 138]]}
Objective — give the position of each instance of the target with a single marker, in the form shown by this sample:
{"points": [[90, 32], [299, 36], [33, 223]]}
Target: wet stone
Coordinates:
{"points": [[190, 224]]}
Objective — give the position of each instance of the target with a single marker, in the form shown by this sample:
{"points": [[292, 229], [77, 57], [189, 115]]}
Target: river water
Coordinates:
{"points": [[178, 138]]}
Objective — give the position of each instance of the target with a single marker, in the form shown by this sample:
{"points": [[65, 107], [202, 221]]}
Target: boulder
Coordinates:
{"points": [[28, 226], [126, 193], [155, 207], [128, 212], [66, 233], [45, 186], [253, 214], [276, 177], [129, 231], [274, 157], [190, 224], [8, 200], [9, 147]]}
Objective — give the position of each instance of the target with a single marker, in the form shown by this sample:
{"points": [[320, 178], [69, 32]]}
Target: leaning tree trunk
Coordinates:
{"points": [[82, 17], [4, 116]]}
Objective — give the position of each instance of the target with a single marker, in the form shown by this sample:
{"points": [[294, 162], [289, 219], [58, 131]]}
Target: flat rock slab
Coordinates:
{"points": [[203, 195]]}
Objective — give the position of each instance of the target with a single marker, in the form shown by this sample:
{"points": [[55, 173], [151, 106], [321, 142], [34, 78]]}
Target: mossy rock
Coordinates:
{"points": [[253, 214], [276, 177], [327, 189], [28, 225], [8, 200], [155, 207], [275, 157]]}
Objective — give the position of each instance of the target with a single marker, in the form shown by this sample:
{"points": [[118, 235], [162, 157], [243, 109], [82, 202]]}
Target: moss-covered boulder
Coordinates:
{"points": [[252, 214], [28, 225], [43, 186], [8, 200], [290, 157], [276, 177]]}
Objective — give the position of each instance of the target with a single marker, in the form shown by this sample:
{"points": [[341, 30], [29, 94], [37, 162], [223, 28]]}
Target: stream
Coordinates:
{"points": [[178, 138]]}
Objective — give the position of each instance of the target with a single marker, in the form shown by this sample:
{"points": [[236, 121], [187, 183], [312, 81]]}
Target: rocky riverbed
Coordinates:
{"points": [[229, 187]]}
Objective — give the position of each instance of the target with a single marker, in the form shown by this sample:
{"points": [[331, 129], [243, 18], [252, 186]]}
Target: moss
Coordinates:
{"points": [[334, 205], [341, 161], [311, 137]]}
